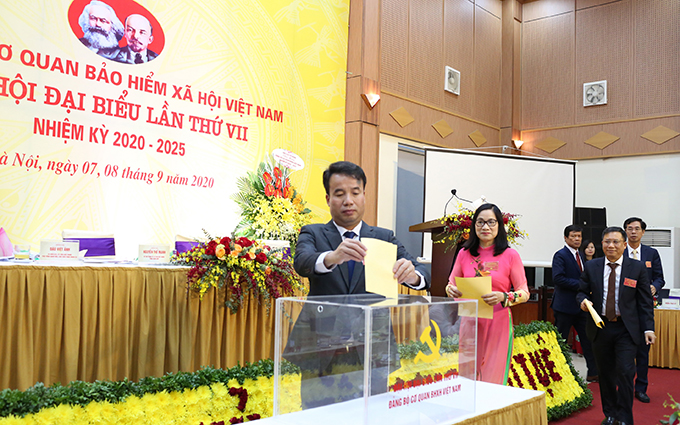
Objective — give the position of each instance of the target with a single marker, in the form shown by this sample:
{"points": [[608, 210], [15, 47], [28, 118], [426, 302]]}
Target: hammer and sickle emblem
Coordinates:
{"points": [[425, 338]]}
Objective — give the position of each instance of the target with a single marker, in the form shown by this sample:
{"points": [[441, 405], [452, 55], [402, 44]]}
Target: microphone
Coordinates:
{"points": [[453, 195]]}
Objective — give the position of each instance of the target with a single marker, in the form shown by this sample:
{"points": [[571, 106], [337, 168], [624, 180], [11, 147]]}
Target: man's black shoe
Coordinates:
{"points": [[593, 378], [608, 421], [642, 396]]}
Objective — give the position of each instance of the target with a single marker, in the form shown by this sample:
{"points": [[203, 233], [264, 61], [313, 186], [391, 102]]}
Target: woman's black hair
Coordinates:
{"points": [[501, 241], [585, 244]]}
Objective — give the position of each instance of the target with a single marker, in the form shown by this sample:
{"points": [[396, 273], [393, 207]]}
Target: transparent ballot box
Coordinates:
{"points": [[364, 359]]}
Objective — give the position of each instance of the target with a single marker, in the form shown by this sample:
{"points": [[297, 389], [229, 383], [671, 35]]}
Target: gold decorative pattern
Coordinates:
{"points": [[660, 135], [402, 117], [601, 140], [443, 128], [477, 138], [550, 144]]}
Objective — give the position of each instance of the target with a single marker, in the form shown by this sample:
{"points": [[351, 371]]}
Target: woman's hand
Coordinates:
{"points": [[452, 291], [493, 298]]}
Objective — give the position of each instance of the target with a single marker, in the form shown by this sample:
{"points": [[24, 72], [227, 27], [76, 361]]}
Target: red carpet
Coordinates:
{"points": [[661, 382]]}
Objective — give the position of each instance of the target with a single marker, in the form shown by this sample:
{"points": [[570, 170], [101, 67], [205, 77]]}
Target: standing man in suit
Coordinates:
{"points": [[331, 255], [618, 289], [139, 34], [567, 266], [635, 229]]}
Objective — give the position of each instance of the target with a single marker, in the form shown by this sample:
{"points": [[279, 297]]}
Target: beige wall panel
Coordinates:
{"points": [[517, 78], [394, 53], [584, 4], [629, 132], [507, 61], [421, 129], [657, 57], [603, 52], [459, 53], [517, 14], [538, 9], [426, 70], [548, 72], [494, 7], [369, 162], [486, 106], [355, 39]]}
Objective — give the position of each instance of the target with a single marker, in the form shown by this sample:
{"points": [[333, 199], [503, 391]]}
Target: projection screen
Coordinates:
{"points": [[541, 190]]}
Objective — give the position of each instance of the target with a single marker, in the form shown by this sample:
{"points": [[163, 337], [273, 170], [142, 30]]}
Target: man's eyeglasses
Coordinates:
{"points": [[480, 223], [612, 242]]}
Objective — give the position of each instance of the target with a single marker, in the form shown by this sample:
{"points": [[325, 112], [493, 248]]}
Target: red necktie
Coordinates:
{"points": [[578, 261], [610, 305]]}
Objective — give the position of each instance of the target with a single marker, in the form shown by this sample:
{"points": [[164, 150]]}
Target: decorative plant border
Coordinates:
{"points": [[208, 396]]}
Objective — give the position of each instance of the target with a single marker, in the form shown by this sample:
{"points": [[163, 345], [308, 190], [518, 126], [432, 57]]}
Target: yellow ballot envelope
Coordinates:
{"points": [[473, 288], [380, 258], [596, 317]]}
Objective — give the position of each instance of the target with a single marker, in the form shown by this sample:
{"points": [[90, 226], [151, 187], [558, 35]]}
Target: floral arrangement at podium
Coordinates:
{"points": [[271, 207], [240, 265], [457, 228]]}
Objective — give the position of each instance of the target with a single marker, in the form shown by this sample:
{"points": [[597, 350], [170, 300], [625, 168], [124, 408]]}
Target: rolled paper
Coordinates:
{"points": [[596, 317]]}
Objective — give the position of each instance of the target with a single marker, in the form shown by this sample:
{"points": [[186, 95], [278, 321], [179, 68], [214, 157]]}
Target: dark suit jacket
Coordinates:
{"points": [[318, 238], [125, 55], [566, 277], [635, 303], [652, 262]]}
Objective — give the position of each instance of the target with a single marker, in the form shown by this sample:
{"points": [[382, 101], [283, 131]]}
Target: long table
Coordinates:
{"points": [[666, 351], [65, 323]]}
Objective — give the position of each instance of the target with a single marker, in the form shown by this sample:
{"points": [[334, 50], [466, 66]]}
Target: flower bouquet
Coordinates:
{"points": [[240, 265], [457, 228], [271, 207]]}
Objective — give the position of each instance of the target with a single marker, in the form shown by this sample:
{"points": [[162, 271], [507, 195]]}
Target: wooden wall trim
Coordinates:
{"points": [[436, 108], [533, 130]]}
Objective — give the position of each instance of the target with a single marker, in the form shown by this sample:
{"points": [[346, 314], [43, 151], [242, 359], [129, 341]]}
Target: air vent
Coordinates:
{"points": [[657, 238], [452, 80], [595, 93]]}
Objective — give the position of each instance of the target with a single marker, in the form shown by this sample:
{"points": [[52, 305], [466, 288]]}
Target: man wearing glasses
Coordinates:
{"points": [[617, 288], [635, 229]]}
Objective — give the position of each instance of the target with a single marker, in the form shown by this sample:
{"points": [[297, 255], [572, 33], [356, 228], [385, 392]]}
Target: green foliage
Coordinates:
{"points": [[580, 402], [37, 397], [409, 349]]}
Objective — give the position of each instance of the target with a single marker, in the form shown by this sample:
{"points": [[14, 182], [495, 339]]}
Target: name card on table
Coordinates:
{"points": [[154, 253], [59, 250], [673, 303]]}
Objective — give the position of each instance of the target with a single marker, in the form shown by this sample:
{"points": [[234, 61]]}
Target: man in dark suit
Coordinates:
{"points": [[635, 228], [617, 289], [331, 255], [329, 338], [567, 266]]}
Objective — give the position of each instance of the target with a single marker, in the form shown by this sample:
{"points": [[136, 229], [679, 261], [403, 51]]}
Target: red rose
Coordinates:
{"points": [[269, 190], [505, 220], [210, 248], [261, 258], [226, 241], [244, 242]]}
